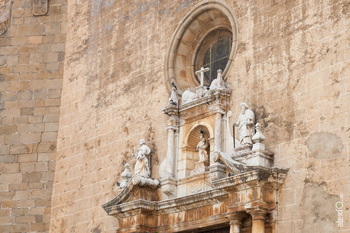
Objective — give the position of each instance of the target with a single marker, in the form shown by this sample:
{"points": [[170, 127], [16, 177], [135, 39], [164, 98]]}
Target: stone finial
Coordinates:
{"points": [[258, 138], [126, 176]]}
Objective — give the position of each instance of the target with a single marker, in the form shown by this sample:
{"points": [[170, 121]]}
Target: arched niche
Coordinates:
{"points": [[189, 154], [204, 18]]}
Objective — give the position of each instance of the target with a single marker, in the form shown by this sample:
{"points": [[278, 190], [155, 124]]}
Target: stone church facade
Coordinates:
{"points": [[175, 116]]}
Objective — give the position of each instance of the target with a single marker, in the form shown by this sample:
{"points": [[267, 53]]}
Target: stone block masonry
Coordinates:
{"points": [[291, 67], [31, 71]]}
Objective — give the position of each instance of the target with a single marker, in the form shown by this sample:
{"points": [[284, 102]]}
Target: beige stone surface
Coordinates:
{"points": [[292, 67], [30, 95]]}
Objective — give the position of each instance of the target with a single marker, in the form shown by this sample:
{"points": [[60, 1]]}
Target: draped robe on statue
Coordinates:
{"points": [[245, 126], [142, 162]]}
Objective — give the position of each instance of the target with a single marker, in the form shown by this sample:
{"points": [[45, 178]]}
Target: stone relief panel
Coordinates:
{"points": [[40, 7]]}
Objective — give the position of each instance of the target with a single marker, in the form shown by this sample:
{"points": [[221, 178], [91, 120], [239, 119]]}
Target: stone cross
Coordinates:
{"points": [[201, 72]]}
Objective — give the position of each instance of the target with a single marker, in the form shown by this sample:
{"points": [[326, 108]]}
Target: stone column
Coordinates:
{"points": [[170, 152], [258, 220], [218, 132], [236, 221]]}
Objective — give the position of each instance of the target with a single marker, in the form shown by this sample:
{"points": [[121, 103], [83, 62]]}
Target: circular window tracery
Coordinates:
{"points": [[185, 56], [214, 52]]}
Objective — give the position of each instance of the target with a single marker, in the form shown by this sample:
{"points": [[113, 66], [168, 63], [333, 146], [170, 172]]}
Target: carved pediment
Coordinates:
{"points": [[139, 188]]}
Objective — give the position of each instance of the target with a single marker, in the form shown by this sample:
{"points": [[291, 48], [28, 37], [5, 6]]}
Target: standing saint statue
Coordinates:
{"points": [[142, 166], [245, 124], [202, 148]]}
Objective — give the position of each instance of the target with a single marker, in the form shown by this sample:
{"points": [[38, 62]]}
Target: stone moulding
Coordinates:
{"points": [[209, 96], [259, 186], [256, 173], [167, 206], [126, 193], [182, 30], [234, 166]]}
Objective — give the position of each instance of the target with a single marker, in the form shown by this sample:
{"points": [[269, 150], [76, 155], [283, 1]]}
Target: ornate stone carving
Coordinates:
{"points": [[245, 125], [142, 165], [200, 168], [188, 96], [233, 165], [144, 182], [126, 176], [218, 83], [5, 15], [40, 7]]}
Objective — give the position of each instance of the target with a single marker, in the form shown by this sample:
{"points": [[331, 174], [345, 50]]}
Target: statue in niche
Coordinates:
{"points": [[202, 147], [173, 100], [142, 166], [245, 124]]}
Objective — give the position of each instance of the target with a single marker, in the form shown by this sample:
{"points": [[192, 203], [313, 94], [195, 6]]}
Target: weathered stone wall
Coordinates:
{"points": [[31, 71], [292, 67]]}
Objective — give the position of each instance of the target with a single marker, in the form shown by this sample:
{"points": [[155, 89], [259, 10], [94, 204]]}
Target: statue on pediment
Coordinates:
{"points": [[218, 83], [142, 165], [188, 96], [126, 176], [173, 100], [245, 124], [202, 148]]}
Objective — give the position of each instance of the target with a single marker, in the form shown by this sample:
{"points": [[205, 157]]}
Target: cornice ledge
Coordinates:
{"points": [[209, 96], [189, 199], [255, 173]]}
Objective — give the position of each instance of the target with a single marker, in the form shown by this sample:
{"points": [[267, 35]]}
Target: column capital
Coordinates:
{"points": [[220, 112], [236, 221], [171, 127], [258, 213], [236, 216]]}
